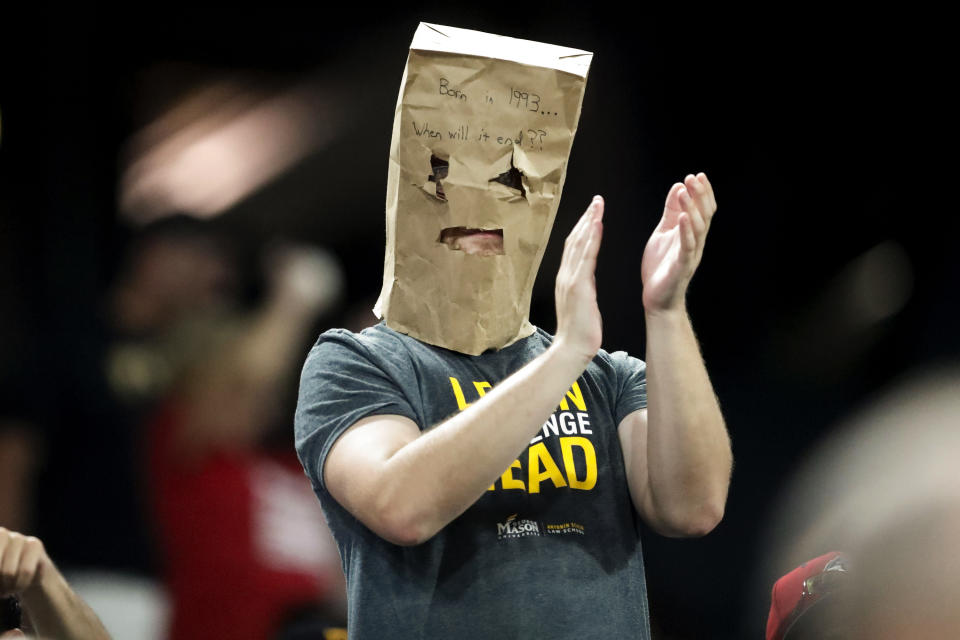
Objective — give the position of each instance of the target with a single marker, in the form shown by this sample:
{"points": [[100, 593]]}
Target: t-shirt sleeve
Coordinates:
{"points": [[631, 384], [340, 384]]}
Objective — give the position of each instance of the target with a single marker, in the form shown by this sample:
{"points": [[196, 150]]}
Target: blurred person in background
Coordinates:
{"points": [[92, 510], [886, 490], [246, 551], [34, 595]]}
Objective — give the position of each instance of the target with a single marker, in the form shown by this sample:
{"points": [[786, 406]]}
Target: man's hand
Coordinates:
{"points": [[676, 245], [49, 604], [23, 561], [579, 326]]}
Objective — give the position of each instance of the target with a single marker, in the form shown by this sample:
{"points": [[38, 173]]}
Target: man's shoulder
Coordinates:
{"points": [[614, 369], [603, 357], [619, 360], [615, 361], [374, 337], [379, 345]]}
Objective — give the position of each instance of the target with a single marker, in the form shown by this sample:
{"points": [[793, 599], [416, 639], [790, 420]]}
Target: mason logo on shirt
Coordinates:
{"points": [[571, 425], [514, 527]]}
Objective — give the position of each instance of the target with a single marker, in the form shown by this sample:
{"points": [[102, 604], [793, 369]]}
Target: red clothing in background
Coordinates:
{"points": [[243, 538]]}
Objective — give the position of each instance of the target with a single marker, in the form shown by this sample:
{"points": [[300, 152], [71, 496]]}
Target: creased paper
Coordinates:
{"points": [[481, 136]]}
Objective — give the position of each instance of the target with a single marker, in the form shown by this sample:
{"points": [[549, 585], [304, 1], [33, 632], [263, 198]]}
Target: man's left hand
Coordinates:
{"points": [[676, 245], [22, 562]]}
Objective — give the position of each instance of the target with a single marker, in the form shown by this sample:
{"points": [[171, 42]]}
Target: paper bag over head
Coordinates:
{"points": [[481, 136]]}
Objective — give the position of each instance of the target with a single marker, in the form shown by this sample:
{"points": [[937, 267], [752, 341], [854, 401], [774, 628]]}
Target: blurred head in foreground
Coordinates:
{"points": [[802, 601], [886, 490]]}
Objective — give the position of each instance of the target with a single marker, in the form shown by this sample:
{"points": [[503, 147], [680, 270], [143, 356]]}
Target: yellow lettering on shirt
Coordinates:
{"points": [[577, 396], [540, 464], [590, 454], [458, 394], [508, 481], [539, 455]]}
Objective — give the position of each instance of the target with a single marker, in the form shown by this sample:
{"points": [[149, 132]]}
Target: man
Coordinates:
{"points": [[52, 609], [443, 530]]}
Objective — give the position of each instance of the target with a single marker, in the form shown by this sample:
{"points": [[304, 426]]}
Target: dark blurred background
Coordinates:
{"points": [[827, 276]]}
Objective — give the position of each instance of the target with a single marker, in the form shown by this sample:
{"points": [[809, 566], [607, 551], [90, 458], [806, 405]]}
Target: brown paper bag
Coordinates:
{"points": [[482, 133]]}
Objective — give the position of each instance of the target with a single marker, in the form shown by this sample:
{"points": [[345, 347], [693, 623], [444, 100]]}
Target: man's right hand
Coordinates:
{"points": [[579, 325]]}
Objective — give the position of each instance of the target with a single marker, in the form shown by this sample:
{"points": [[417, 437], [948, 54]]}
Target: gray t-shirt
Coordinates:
{"points": [[552, 550]]}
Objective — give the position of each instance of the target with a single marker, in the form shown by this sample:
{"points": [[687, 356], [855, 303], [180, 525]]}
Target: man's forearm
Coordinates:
{"points": [[688, 449], [437, 476], [55, 611]]}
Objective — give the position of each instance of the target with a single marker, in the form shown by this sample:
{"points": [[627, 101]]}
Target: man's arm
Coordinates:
{"points": [[50, 605], [406, 485], [677, 451]]}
